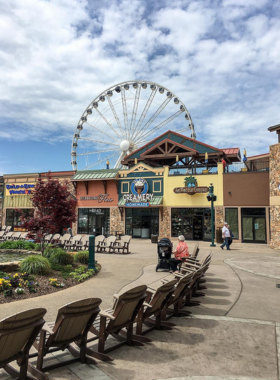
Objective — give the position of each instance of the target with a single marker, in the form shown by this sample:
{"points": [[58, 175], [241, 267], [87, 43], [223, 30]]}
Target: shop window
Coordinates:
{"points": [[156, 186], [193, 223], [13, 217], [94, 221], [231, 217], [125, 187]]}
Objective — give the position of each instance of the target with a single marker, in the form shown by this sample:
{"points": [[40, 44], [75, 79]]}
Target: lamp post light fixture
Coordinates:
{"points": [[212, 198]]}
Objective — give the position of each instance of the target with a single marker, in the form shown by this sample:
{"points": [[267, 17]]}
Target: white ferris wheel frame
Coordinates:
{"points": [[133, 130]]}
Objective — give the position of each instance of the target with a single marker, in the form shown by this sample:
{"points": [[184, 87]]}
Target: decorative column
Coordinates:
{"points": [[117, 220], [274, 182], [165, 223]]}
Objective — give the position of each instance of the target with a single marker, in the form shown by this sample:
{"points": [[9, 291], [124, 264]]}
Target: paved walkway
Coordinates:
{"points": [[232, 335]]}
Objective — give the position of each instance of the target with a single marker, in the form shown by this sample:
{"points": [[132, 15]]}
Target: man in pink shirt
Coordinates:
{"points": [[182, 251]]}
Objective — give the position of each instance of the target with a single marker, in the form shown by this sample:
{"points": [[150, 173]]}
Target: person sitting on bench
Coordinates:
{"points": [[181, 252]]}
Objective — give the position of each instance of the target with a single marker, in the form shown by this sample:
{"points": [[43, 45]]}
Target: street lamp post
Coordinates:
{"points": [[212, 198]]}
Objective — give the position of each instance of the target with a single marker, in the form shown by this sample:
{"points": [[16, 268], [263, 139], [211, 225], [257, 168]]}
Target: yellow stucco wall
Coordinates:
{"points": [[197, 200]]}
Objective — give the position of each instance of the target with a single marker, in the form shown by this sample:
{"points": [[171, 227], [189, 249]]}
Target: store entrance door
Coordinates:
{"points": [[253, 225], [142, 223], [96, 224]]}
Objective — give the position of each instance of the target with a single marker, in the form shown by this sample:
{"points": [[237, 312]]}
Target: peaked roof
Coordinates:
{"points": [[175, 137]]}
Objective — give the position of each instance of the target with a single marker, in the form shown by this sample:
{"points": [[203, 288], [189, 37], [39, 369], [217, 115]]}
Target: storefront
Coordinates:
{"points": [[140, 200], [97, 201], [193, 223], [17, 191], [246, 205]]}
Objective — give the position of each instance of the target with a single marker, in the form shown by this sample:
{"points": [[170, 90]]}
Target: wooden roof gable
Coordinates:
{"points": [[166, 148], [175, 137]]}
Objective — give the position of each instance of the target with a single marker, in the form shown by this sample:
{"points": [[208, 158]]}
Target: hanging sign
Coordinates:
{"points": [[139, 196], [191, 187]]}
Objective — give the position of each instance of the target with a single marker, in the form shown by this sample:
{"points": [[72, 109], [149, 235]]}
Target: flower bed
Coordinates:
{"points": [[18, 286]]}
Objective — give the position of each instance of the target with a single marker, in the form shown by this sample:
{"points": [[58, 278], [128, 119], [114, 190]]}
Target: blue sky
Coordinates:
{"points": [[221, 58]]}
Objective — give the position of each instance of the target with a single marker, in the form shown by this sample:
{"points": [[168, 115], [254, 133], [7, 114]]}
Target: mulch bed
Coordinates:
{"points": [[44, 288]]}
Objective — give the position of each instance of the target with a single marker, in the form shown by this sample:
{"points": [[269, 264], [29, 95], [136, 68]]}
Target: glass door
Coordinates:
{"points": [[247, 229], [259, 230], [253, 229]]}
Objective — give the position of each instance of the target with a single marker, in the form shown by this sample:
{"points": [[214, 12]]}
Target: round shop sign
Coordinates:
{"points": [[139, 186]]}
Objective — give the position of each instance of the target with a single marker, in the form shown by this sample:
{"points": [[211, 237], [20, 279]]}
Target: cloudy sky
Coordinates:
{"points": [[221, 58]]}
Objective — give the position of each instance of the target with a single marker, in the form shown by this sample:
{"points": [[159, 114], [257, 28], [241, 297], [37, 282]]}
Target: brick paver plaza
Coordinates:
{"points": [[233, 335]]}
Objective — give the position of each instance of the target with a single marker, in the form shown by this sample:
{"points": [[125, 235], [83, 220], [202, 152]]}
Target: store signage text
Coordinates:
{"points": [[99, 198], [191, 190], [191, 187], [137, 204], [19, 189], [140, 196]]}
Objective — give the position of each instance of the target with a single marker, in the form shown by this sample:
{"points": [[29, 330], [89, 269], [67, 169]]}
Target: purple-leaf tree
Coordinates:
{"points": [[54, 209]]}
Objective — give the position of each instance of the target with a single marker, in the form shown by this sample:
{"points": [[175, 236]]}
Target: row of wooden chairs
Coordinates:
{"points": [[82, 322], [6, 228], [111, 245], [5, 236]]}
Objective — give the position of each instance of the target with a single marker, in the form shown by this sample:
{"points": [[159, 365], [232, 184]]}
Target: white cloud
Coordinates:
{"points": [[56, 56]]}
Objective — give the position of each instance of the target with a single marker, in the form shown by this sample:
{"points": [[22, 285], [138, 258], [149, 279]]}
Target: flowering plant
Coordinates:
{"points": [[4, 284], [19, 290], [54, 282]]}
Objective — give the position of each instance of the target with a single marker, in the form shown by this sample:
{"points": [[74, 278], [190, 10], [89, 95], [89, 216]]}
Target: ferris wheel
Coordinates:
{"points": [[123, 118]]}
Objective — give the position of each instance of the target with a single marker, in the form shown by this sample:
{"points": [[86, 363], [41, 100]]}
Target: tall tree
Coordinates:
{"points": [[55, 208]]}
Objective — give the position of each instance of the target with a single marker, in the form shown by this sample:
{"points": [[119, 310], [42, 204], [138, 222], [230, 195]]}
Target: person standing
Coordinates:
{"points": [[226, 236], [182, 251]]}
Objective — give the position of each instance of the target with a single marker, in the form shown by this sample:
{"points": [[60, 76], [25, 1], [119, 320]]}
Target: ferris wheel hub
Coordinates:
{"points": [[125, 145]]}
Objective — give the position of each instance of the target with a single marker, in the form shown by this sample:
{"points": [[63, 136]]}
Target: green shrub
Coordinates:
{"points": [[62, 258], [81, 257], [20, 244], [35, 264], [64, 270], [51, 250], [81, 273]]}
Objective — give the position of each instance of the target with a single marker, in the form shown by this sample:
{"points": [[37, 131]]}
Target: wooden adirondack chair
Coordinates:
{"points": [[23, 236], [2, 238], [113, 321], [99, 242], [177, 298], [107, 244], [55, 238], [64, 239], [16, 236], [17, 334], [9, 236], [48, 238], [3, 228], [83, 243], [154, 306], [195, 285], [190, 265], [122, 246], [72, 324], [195, 251], [72, 243]]}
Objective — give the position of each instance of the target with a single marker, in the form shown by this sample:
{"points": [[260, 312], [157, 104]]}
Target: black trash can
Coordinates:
{"points": [[219, 236], [154, 238]]}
